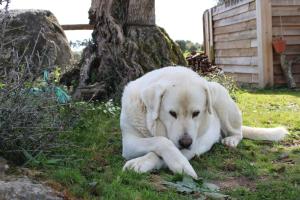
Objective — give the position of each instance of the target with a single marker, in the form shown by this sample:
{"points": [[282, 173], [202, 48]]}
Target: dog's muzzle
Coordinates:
{"points": [[185, 141]]}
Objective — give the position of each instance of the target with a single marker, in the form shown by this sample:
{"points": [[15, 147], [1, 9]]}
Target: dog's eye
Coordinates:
{"points": [[173, 114], [195, 114]]}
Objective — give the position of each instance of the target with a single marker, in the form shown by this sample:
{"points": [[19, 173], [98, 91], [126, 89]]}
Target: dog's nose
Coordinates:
{"points": [[186, 141]]}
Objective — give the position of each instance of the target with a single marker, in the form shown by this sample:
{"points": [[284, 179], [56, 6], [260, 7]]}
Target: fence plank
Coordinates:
{"points": [[280, 79], [278, 31], [249, 25], [236, 44], [285, 2], [69, 27], [292, 40], [248, 52], [237, 61], [224, 7], [242, 35], [278, 70], [286, 11], [240, 69], [244, 78], [236, 19], [235, 11]]}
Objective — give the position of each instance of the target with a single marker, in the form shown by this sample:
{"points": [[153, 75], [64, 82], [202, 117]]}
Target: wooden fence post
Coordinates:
{"points": [[208, 42], [205, 32], [211, 37], [264, 40]]}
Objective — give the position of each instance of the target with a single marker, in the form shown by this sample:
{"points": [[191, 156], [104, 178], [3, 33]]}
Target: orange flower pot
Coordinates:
{"points": [[279, 45]]}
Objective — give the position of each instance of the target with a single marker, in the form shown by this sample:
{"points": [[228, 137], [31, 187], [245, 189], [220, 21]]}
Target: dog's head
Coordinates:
{"points": [[180, 109]]}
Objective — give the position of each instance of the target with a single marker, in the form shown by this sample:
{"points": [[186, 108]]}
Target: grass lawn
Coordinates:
{"points": [[91, 168]]}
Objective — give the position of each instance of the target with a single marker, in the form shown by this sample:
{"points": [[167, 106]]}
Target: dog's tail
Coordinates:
{"points": [[271, 134]]}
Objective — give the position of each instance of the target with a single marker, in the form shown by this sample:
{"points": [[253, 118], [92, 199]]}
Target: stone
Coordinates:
{"points": [[3, 167], [25, 189], [31, 41]]}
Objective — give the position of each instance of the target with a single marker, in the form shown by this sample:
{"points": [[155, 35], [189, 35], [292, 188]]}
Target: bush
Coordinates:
{"points": [[31, 120], [228, 82], [30, 123]]}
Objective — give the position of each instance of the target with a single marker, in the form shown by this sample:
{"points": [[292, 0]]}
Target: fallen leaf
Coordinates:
{"points": [[203, 189]]}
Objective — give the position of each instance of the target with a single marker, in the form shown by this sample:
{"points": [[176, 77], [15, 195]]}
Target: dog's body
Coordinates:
{"points": [[172, 114]]}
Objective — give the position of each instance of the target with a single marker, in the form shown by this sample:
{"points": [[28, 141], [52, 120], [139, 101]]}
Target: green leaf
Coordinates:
{"points": [[53, 161], [211, 187], [215, 195], [189, 185]]}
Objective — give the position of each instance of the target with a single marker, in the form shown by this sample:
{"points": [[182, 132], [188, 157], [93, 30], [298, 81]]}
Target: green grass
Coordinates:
{"points": [[91, 168]]}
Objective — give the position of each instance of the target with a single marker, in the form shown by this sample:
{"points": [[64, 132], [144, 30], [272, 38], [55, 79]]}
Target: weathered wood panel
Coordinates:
{"points": [[235, 39], [242, 35], [249, 25], [285, 2], [286, 11], [293, 50], [229, 5], [240, 69], [247, 52], [278, 31], [288, 57], [279, 79], [286, 21], [236, 44], [278, 71], [237, 61], [292, 40], [236, 11], [286, 24], [236, 19], [244, 77], [72, 27]]}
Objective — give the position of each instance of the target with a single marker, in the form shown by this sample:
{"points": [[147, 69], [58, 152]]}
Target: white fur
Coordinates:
{"points": [[150, 134], [271, 134]]}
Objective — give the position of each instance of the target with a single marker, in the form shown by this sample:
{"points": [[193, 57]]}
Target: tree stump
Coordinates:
{"points": [[126, 44]]}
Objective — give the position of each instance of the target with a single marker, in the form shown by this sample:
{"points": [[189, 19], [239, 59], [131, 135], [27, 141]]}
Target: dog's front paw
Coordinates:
{"points": [[231, 141], [177, 163], [183, 167], [143, 164]]}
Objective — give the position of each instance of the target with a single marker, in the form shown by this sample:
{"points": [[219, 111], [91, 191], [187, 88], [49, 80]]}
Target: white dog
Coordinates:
{"points": [[172, 114]]}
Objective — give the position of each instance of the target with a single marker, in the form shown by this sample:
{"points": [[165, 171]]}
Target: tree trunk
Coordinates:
{"points": [[126, 44]]}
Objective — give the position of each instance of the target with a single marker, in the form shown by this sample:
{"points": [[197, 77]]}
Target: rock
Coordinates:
{"points": [[25, 189], [32, 41], [3, 167]]}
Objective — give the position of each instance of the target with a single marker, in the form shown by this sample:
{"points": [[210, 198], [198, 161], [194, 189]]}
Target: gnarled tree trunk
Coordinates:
{"points": [[126, 44]]}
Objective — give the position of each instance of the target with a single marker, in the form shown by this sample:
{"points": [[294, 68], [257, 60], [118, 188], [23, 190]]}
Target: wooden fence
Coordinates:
{"points": [[238, 37], [73, 27], [286, 23]]}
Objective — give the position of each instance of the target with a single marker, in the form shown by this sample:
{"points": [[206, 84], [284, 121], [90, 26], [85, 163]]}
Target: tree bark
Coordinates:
{"points": [[286, 67], [126, 44]]}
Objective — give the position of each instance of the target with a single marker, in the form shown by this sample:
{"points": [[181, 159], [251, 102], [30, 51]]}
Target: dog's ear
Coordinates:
{"points": [[229, 114], [208, 100], [151, 97]]}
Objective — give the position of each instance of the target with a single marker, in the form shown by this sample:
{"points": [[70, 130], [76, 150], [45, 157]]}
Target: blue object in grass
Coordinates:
{"points": [[46, 76], [61, 95]]}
